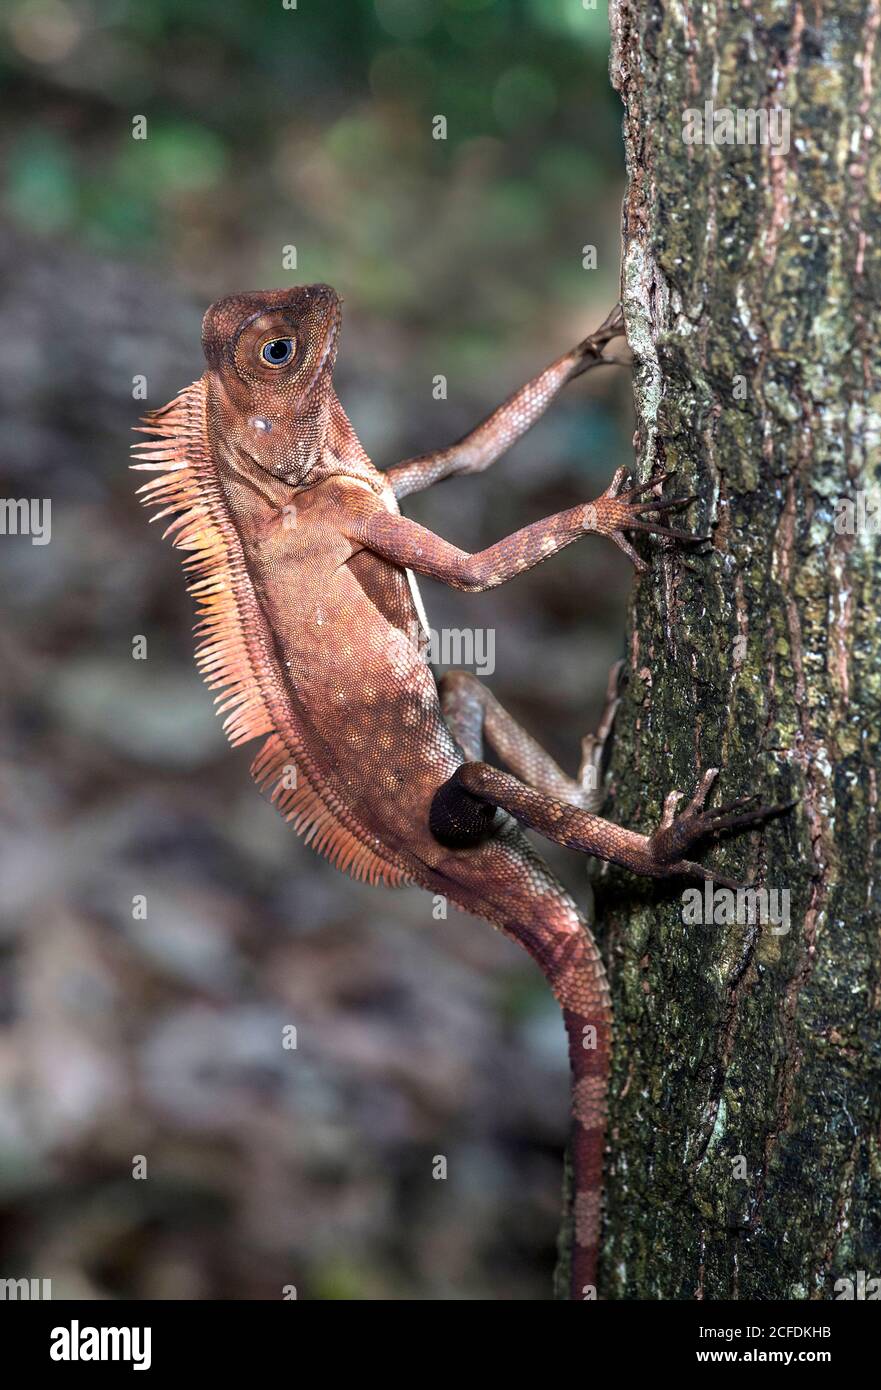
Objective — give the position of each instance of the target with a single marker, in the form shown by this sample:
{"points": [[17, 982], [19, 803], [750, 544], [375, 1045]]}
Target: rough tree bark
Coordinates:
{"points": [[745, 1139]]}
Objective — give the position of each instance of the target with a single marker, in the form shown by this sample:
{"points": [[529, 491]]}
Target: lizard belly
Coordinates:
{"points": [[366, 699]]}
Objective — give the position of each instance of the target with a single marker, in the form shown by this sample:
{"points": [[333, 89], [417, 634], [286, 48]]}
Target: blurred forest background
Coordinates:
{"points": [[121, 1036]]}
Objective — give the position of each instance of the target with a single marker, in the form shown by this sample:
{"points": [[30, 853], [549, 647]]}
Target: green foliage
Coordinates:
{"points": [[312, 126]]}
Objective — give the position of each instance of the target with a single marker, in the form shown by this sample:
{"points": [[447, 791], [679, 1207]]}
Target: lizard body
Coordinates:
{"points": [[303, 570]]}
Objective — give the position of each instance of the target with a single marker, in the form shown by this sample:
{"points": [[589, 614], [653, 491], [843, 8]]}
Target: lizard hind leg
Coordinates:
{"points": [[474, 716]]}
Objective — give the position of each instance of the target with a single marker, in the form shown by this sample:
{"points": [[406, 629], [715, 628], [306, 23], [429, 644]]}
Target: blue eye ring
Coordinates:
{"points": [[278, 351]]}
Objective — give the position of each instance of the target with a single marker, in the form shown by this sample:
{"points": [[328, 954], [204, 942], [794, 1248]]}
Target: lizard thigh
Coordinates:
{"points": [[473, 714]]}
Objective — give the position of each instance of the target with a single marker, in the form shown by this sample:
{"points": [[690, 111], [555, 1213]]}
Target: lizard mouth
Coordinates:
{"points": [[328, 350]]}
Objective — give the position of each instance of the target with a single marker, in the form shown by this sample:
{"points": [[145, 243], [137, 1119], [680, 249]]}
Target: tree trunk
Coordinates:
{"points": [[745, 1136]]}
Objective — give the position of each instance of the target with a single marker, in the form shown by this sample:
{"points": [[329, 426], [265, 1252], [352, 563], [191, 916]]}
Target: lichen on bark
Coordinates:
{"points": [[745, 1135]]}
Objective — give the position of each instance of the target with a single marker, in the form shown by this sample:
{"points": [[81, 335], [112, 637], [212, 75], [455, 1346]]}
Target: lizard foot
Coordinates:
{"points": [[677, 833], [593, 746], [616, 511], [589, 352]]}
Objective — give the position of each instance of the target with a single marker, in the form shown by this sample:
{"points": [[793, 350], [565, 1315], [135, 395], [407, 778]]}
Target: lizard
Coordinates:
{"points": [[303, 570]]}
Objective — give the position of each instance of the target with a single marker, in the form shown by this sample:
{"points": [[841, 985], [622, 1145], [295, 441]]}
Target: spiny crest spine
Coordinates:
{"points": [[188, 491]]}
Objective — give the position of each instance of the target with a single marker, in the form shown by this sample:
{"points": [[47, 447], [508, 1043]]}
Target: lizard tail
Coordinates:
{"points": [[564, 948], [589, 1054], [537, 913], [561, 942]]}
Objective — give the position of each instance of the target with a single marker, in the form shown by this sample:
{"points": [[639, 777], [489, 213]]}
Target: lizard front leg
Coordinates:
{"points": [[396, 538], [494, 435]]}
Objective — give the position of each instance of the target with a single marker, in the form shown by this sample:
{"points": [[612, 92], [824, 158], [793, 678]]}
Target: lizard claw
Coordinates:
{"points": [[665, 504], [589, 352], [677, 833], [623, 544], [617, 511], [639, 488]]}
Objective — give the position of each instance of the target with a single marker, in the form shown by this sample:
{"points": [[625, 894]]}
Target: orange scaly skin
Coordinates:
{"points": [[302, 568]]}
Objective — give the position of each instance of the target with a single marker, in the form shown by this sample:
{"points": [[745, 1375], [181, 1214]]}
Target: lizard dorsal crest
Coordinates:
{"points": [[230, 652]]}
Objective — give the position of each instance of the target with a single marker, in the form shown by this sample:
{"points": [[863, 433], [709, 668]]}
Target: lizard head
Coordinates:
{"points": [[270, 359]]}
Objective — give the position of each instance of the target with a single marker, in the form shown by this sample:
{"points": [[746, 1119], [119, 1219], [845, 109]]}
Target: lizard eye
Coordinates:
{"points": [[278, 351]]}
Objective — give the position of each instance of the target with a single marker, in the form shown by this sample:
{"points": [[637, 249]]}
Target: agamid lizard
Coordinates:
{"points": [[302, 567]]}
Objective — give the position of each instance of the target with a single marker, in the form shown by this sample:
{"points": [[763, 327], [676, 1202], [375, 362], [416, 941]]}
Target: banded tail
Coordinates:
{"points": [[540, 915], [589, 1058]]}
